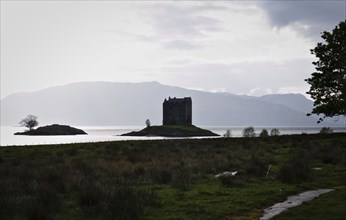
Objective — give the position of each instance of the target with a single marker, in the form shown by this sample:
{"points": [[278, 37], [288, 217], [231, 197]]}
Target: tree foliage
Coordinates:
{"points": [[228, 133], [249, 132], [264, 133], [274, 132], [326, 130], [328, 83], [147, 123], [30, 121]]}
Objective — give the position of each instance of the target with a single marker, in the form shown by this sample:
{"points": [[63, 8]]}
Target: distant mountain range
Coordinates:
{"points": [[125, 104]]}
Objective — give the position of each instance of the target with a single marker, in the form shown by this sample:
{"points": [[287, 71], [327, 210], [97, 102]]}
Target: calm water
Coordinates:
{"points": [[112, 133]]}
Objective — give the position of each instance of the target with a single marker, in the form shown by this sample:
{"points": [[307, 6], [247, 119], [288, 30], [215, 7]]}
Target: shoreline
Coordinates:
{"points": [[154, 138]]}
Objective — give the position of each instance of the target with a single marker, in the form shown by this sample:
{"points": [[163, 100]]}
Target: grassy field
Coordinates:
{"points": [[173, 179]]}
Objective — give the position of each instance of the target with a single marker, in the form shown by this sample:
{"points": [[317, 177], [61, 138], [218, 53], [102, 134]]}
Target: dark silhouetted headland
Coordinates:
{"points": [[54, 129], [173, 131]]}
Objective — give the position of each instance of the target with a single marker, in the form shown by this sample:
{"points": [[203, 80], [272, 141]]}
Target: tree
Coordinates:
{"points": [[264, 133], [30, 122], [274, 132], [328, 83], [249, 132], [147, 123], [228, 133], [326, 130]]}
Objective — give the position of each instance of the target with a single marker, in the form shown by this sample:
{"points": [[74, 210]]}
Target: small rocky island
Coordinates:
{"points": [[172, 131], [54, 129], [177, 121]]}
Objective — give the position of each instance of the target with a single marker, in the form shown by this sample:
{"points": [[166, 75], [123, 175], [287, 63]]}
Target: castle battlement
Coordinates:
{"points": [[177, 111]]}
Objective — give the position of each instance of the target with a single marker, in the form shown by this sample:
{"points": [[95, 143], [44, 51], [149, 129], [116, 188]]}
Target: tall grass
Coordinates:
{"points": [[297, 169], [122, 180]]}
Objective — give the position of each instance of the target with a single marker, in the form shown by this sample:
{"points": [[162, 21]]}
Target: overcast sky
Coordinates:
{"points": [[241, 47]]}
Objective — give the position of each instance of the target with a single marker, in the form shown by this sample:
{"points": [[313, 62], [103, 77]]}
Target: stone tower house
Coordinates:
{"points": [[177, 111]]}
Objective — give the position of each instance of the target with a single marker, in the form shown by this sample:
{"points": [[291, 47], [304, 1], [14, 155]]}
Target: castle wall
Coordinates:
{"points": [[177, 111]]}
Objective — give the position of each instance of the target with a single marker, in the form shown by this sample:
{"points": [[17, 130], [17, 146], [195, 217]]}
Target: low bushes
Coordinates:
{"points": [[119, 201], [249, 132], [232, 181], [123, 180], [297, 169]]}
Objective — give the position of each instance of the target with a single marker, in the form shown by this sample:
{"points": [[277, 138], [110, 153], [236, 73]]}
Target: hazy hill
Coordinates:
{"points": [[106, 103], [294, 101]]}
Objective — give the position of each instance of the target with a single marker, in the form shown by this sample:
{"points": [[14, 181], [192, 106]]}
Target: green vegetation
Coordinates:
{"points": [[54, 129], [228, 133], [274, 132], [173, 179], [172, 131], [147, 123], [329, 206], [328, 83], [326, 130], [249, 132], [264, 133]]}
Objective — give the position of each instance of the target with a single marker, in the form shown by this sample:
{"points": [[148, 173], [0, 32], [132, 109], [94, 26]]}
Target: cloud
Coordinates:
{"points": [[215, 46], [171, 25], [185, 20], [307, 17], [178, 26], [181, 44], [218, 90]]}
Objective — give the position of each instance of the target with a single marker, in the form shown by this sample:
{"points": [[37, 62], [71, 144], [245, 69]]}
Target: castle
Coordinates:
{"points": [[177, 111]]}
